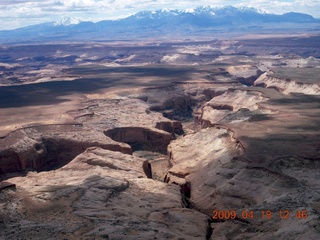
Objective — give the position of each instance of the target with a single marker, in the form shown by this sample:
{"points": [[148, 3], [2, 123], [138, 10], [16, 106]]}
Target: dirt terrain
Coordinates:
{"points": [[230, 128]]}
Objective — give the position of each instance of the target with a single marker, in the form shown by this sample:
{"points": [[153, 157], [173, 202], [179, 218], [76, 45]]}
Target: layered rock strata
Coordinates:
{"points": [[250, 150], [35, 148], [287, 86], [101, 194], [246, 160]]}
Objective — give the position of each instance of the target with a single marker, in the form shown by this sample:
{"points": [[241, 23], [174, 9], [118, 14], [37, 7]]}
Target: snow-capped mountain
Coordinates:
{"points": [[211, 17], [199, 11], [66, 21], [166, 22]]}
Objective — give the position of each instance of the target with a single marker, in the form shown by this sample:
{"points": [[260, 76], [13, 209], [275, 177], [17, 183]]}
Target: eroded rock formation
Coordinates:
{"points": [[231, 146], [141, 138], [100, 194], [244, 159], [47, 147], [146, 166], [287, 86]]}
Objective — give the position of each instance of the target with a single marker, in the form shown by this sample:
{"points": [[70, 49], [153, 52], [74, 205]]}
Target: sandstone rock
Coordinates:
{"points": [[232, 106], [174, 127], [222, 181], [194, 164], [99, 194], [7, 185], [258, 177], [141, 138], [63, 147], [36, 148], [118, 113], [245, 74], [233, 100], [171, 101], [147, 168], [287, 86], [19, 152]]}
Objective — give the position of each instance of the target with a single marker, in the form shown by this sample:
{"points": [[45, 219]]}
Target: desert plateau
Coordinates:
{"points": [[161, 138]]}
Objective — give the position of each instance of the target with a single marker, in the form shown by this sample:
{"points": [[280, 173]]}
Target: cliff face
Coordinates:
{"points": [[254, 153], [173, 127], [172, 102], [232, 106], [20, 152], [98, 188], [35, 149], [245, 74], [151, 139], [42, 147], [287, 86]]}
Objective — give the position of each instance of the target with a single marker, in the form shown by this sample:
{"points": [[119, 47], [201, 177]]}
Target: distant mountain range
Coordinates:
{"points": [[165, 23]]}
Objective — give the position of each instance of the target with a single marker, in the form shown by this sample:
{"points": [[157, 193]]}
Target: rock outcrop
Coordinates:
{"points": [[7, 185], [139, 138], [245, 74], [146, 166], [35, 148], [100, 194], [246, 161], [171, 101], [173, 127], [20, 152], [232, 106], [287, 86]]}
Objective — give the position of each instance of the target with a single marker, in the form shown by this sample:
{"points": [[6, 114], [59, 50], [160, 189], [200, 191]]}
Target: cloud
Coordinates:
{"points": [[18, 13], [13, 2], [282, 6]]}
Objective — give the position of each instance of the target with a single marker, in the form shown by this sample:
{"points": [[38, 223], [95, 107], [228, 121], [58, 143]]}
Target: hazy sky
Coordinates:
{"points": [[19, 13]]}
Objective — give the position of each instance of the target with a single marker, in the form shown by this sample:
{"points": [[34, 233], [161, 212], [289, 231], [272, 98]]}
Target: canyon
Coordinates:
{"points": [[226, 126]]}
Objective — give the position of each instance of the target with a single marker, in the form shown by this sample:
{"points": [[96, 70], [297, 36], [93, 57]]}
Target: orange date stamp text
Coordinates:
{"points": [[264, 214]]}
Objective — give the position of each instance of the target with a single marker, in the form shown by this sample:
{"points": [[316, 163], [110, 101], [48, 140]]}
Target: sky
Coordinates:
{"points": [[21, 13]]}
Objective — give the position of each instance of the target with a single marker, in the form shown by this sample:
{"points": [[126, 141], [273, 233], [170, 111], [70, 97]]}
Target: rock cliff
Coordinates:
{"points": [[101, 194]]}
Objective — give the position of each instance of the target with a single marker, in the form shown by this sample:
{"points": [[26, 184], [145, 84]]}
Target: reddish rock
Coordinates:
{"points": [[7, 185], [141, 138], [147, 168]]}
